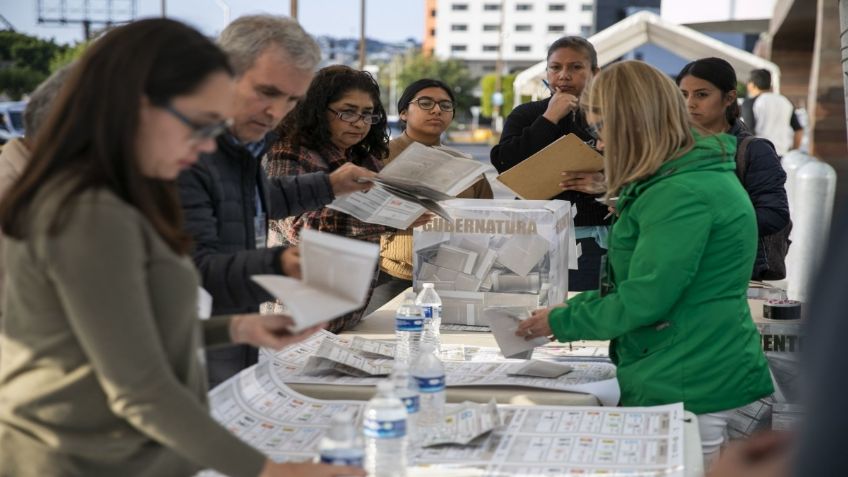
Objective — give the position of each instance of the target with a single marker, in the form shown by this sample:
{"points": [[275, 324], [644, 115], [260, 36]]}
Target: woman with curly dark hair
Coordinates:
{"points": [[339, 121]]}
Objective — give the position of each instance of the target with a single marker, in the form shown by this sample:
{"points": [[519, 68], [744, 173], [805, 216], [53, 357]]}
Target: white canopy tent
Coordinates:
{"points": [[643, 28]]}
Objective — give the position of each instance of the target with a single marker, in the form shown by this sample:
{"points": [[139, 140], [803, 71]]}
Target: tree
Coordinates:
{"points": [[487, 85], [24, 62], [454, 73], [68, 55]]}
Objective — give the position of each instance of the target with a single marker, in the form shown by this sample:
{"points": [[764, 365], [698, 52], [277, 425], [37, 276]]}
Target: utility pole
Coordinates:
{"points": [[497, 96], [361, 34], [164, 10], [292, 9]]}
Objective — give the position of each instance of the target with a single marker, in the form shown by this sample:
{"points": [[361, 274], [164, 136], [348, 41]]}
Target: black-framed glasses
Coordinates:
{"points": [[594, 129], [427, 104], [353, 116], [200, 132]]}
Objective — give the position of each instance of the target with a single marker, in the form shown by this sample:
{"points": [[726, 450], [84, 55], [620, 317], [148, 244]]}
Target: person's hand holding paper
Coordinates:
{"points": [[586, 182], [504, 326], [267, 331]]}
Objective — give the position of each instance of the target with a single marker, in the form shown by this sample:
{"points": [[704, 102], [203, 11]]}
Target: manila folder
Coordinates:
{"points": [[538, 176]]}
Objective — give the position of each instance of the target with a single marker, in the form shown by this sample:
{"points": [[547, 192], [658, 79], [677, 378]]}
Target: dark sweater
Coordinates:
{"points": [[764, 181], [526, 132]]}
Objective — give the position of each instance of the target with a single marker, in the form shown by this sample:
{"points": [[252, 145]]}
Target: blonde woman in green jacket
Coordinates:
{"points": [[673, 300], [100, 373]]}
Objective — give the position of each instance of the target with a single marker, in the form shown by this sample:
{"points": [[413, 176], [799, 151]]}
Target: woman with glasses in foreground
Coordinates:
{"points": [[340, 120], [100, 372], [673, 300], [571, 64], [427, 108]]}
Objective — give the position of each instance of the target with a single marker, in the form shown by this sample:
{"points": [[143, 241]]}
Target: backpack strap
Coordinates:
{"points": [[741, 155]]}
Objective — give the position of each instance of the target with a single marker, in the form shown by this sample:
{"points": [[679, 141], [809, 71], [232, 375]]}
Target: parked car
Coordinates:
{"points": [[11, 120]]}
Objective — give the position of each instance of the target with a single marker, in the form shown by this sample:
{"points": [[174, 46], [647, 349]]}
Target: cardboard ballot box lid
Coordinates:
{"points": [[538, 176]]}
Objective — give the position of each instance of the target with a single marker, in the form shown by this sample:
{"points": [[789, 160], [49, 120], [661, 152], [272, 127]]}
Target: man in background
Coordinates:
{"points": [[771, 115]]}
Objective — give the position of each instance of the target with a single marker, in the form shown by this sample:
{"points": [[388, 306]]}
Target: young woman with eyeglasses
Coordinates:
{"points": [[100, 372], [340, 120], [427, 108], [572, 63], [674, 297]]}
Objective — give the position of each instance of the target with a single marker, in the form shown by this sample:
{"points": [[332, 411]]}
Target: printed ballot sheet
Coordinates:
{"points": [[337, 272], [464, 366], [567, 441], [260, 409], [410, 185]]}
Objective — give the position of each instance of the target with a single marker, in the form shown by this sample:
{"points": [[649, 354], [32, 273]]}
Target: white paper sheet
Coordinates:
{"points": [[337, 273], [463, 423], [378, 206], [504, 324]]}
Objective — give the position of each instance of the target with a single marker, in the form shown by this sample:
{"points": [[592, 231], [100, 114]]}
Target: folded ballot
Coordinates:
{"points": [[336, 271], [412, 184]]}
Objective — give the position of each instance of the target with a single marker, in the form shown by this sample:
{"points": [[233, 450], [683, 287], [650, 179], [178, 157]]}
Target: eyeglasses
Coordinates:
{"points": [[200, 132], [352, 116], [594, 129], [427, 104]]}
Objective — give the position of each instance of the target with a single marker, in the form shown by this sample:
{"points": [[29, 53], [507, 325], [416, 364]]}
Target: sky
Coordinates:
{"points": [[387, 20]]}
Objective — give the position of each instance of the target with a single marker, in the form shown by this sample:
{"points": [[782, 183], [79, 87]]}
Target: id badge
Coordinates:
{"points": [[259, 230]]}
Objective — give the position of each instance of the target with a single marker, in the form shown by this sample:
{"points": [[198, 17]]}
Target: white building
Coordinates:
{"points": [[474, 30]]}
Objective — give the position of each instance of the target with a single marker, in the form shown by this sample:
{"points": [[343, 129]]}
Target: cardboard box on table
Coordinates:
{"points": [[495, 253]]}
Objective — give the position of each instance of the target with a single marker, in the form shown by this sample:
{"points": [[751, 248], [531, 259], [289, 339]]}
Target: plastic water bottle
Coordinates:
{"points": [[431, 307], [342, 444], [409, 325], [385, 433], [406, 389], [429, 373]]}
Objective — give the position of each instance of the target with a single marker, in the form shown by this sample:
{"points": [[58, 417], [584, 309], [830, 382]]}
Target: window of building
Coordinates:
{"points": [[491, 28], [522, 48], [458, 48], [433, 12], [490, 47], [587, 7], [585, 30], [488, 68], [459, 27], [556, 7], [459, 7], [556, 28], [491, 7], [523, 27], [432, 32], [523, 7]]}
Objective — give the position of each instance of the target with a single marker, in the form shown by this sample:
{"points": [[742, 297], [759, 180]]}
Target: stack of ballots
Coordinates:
{"points": [[495, 254]]}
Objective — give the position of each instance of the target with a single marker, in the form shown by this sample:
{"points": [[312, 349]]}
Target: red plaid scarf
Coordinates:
{"points": [[285, 159]]}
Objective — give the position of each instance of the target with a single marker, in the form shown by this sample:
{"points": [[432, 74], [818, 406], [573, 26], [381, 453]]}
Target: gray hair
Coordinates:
{"points": [[247, 37], [42, 98]]}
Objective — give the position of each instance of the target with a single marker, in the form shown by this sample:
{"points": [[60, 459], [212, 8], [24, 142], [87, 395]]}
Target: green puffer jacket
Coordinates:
{"points": [[680, 258]]}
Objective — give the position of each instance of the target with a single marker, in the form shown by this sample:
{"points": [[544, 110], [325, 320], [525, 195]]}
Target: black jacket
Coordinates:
{"points": [[526, 132], [218, 196], [764, 181]]}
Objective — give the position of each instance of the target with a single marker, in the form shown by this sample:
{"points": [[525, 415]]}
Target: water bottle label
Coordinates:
{"points": [[412, 403], [384, 429], [350, 461], [433, 384], [409, 324], [428, 311]]}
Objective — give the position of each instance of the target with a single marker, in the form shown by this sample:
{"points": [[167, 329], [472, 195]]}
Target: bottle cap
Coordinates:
{"points": [[385, 387], [410, 295], [428, 285]]}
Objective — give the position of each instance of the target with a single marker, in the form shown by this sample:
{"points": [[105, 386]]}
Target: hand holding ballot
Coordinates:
{"points": [[350, 178], [267, 331], [535, 326], [337, 272]]}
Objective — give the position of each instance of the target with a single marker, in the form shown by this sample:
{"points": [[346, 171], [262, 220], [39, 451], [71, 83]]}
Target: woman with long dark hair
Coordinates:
{"points": [[340, 120], [709, 86], [100, 372]]}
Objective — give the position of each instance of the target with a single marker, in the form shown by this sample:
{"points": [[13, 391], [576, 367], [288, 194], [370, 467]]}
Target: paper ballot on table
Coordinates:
{"points": [[540, 369], [463, 423], [336, 271], [504, 324], [538, 176], [410, 185]]}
